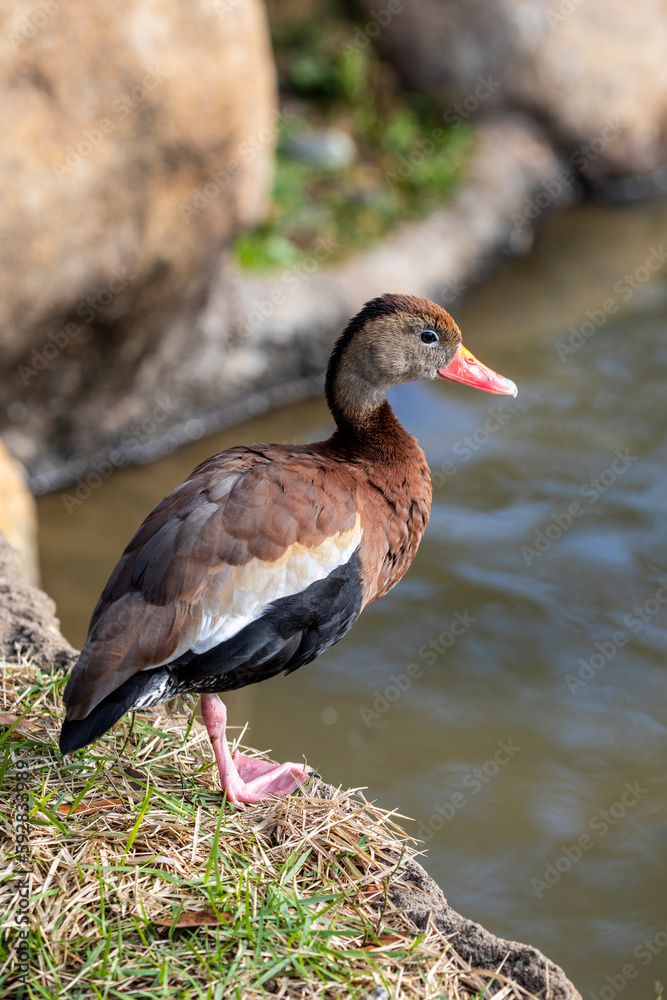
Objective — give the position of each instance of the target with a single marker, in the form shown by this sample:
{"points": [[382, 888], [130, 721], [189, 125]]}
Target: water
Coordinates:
{"points": [[509, 694]]}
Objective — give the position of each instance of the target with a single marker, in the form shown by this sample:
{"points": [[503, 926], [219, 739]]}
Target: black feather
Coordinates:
{"points": [[137, 691], [291, 632]]}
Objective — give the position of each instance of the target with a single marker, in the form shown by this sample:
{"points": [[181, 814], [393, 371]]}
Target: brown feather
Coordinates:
{"points": [[187, 559]]}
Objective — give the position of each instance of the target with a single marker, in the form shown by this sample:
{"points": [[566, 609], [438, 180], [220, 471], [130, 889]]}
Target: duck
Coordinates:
{"points": [[268, 553]]}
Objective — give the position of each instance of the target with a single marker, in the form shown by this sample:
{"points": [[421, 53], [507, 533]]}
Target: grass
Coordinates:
{"points": [[145, 883], [407, 163]]}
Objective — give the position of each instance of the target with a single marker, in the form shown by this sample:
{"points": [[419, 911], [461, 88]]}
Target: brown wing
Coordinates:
{"points": [[247, 527]]}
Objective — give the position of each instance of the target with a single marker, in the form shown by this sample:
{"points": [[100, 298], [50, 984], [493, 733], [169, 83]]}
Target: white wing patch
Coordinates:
{"points": [[159, 692], [245, 591]]}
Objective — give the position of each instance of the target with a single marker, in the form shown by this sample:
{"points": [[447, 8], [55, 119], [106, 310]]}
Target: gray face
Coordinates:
{"points": [[403, 347], [394, 339]]}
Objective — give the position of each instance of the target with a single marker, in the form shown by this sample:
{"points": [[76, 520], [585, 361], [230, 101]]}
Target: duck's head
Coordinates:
{"points": [[395, 339]]}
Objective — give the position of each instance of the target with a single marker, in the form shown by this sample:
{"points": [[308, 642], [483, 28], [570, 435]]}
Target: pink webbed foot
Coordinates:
{"points": [[273, 779], [245, 780]]}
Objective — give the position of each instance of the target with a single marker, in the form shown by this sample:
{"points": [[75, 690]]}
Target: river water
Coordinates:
{"points": [[510, 693]]}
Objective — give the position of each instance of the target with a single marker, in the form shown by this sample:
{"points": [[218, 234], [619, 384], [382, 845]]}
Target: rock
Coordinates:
{"points": [[27, 618], [130, 155], [18, 514], [424, 901], [329, 148], [414, 892], [593, 71]]}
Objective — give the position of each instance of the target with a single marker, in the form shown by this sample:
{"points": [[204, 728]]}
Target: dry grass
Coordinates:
{"points": [[143, 884]]}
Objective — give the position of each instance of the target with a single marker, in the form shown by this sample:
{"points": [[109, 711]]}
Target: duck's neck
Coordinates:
{"points": [[366, 425]]}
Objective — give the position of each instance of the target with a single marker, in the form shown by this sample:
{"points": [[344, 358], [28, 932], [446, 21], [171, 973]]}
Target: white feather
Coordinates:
{"points": [[281, 579]]}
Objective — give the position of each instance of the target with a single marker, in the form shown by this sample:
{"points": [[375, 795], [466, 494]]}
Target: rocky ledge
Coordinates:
{"points": [[30, 632]]}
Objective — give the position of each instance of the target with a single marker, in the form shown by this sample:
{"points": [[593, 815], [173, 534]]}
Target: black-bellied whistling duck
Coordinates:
{"points": [[267, 554]]}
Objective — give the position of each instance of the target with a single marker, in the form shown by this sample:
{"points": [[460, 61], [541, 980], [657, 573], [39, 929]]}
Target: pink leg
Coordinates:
{"points": [[244, 779]]}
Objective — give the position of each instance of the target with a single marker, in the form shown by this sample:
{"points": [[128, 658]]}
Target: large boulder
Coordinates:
{"points": [[29, 629], [18, 514], [137, 138], [593, 71]]}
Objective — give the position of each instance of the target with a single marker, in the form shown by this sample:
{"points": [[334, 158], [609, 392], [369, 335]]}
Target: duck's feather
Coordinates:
{"points": [[247, 528]]}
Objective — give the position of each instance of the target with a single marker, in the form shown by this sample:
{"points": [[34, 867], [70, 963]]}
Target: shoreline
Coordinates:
{"points": [[262, 341], [169, 809]]}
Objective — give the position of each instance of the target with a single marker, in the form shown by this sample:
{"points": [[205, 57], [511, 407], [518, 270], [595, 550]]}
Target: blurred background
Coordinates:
{"points": [[196, 197]]}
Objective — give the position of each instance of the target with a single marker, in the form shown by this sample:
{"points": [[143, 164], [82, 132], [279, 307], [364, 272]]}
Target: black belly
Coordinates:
{"points": [[291, 632]]}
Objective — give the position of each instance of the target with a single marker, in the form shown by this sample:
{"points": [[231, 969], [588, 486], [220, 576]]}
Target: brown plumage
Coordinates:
{"points": [[267, 554]]}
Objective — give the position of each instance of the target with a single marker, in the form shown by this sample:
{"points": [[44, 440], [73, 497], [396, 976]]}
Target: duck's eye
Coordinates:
{"points": [[429, 337]]}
